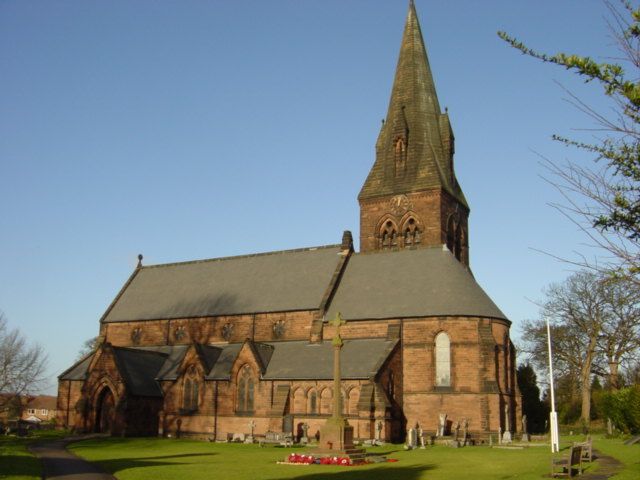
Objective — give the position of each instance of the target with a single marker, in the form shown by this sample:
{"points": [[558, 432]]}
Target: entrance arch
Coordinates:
{"points": [[105, 411]]}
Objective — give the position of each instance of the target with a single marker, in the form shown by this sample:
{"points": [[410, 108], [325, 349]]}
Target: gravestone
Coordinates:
{"points": [[525, 433], [379, 427], [305, 434], [420, 436], [506, 437], [465, 430], [411, 439], [249, 438], [442, 424]]}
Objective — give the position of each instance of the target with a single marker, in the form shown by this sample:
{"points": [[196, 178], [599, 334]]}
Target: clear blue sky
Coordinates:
{"points": [[198, 129]]}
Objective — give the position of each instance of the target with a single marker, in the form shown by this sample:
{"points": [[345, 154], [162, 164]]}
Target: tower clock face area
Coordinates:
{"points": [[399, 205]]}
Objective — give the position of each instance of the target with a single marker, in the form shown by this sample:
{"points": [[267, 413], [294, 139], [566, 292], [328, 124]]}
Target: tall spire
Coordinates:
{"points": [[414, 150], [411, 198]]}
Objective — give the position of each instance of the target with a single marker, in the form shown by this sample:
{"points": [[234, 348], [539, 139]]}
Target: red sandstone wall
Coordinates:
{"points": [[258, 327]]}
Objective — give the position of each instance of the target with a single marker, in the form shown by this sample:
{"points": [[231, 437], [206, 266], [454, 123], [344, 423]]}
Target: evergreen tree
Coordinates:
{"points": [[532, 406]]}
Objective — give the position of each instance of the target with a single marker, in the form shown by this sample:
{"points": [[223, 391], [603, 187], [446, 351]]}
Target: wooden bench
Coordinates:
{"points": [[284, 439], [564, 466], [587, 449]]}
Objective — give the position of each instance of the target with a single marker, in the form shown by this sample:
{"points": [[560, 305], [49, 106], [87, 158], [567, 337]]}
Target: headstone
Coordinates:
{"points": [[305, 434], [252, 426], [379, 427], [442, 424], [465, 430], [525, 432], [609, 426], [420, 436], [506, 436], [411, 438]]}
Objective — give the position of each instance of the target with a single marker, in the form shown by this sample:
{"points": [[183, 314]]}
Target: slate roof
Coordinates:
{"points": [[278, 281], [409, 283], [139, 369], [222, 369], [299, 360], [78, 371]]}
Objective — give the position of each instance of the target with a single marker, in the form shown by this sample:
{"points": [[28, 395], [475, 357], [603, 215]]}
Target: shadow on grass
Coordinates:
{"points": [[19, 465], [177, 455], [414, 472], [117, 464]]}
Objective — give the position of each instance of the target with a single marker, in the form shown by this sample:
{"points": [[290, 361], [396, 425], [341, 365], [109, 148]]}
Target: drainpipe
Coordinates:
{"points": [[215, 413]]}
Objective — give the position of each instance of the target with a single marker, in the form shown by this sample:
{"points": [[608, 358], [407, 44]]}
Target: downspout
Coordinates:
{"points": [[215, 413], [68, 401]]}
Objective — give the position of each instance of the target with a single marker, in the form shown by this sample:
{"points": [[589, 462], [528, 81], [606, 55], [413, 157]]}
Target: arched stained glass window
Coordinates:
{"points": [[191, 391], [443, 360], [246, 386]]}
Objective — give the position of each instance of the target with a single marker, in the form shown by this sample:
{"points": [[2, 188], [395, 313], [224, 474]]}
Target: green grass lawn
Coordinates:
{"points": [[156, 459], [15, 460]]}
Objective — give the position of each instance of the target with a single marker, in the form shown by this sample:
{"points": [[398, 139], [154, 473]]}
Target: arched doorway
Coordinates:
{"points": [[105, 411]]}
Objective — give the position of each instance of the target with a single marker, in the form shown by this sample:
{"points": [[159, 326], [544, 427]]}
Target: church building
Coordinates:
{"points": [[205, 348]]}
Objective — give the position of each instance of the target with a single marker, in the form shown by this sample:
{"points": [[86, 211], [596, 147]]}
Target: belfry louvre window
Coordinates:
{"points": [[246, 386], [412, 235], [443, 360], [389, 235]]}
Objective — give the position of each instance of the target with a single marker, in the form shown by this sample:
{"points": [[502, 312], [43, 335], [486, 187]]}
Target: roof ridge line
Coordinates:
{"points": [[249, 255]]}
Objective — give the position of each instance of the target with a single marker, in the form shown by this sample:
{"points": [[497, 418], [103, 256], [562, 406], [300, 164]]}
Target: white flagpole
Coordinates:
{"points": [[553, 416]]}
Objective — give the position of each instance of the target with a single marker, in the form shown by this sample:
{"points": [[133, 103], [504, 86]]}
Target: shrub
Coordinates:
{"points": [[623, 408]]}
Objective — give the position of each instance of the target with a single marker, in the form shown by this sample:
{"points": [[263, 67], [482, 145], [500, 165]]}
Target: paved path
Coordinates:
{"points": [[59, 464], [607, 467]]}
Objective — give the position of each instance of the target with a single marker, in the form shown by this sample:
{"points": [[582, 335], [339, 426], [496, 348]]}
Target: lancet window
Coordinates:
{"points": [[313, 402], [443, 360], [400, 155], [191, 391], [451, 234], [246, 388]]}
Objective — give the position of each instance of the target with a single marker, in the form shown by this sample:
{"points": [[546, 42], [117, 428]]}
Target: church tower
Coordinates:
{"points": [[411, 197]]}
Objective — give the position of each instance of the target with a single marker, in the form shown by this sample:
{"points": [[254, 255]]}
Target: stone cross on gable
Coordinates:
{"points": [[337, 322]]}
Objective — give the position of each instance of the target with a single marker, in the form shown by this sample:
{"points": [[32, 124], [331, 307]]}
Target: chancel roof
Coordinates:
{"points": [[279, 281], [424, 282]]}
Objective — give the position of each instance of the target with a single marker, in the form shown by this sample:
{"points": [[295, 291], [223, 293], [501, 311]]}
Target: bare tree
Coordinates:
{"points": [[88, 346], [620, 339], [22, 366], [595, 331], [576, 308]]}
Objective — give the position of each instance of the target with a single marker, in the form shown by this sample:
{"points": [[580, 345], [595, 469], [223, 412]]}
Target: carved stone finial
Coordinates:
{"points": [[140, 260], [347, 241]]}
